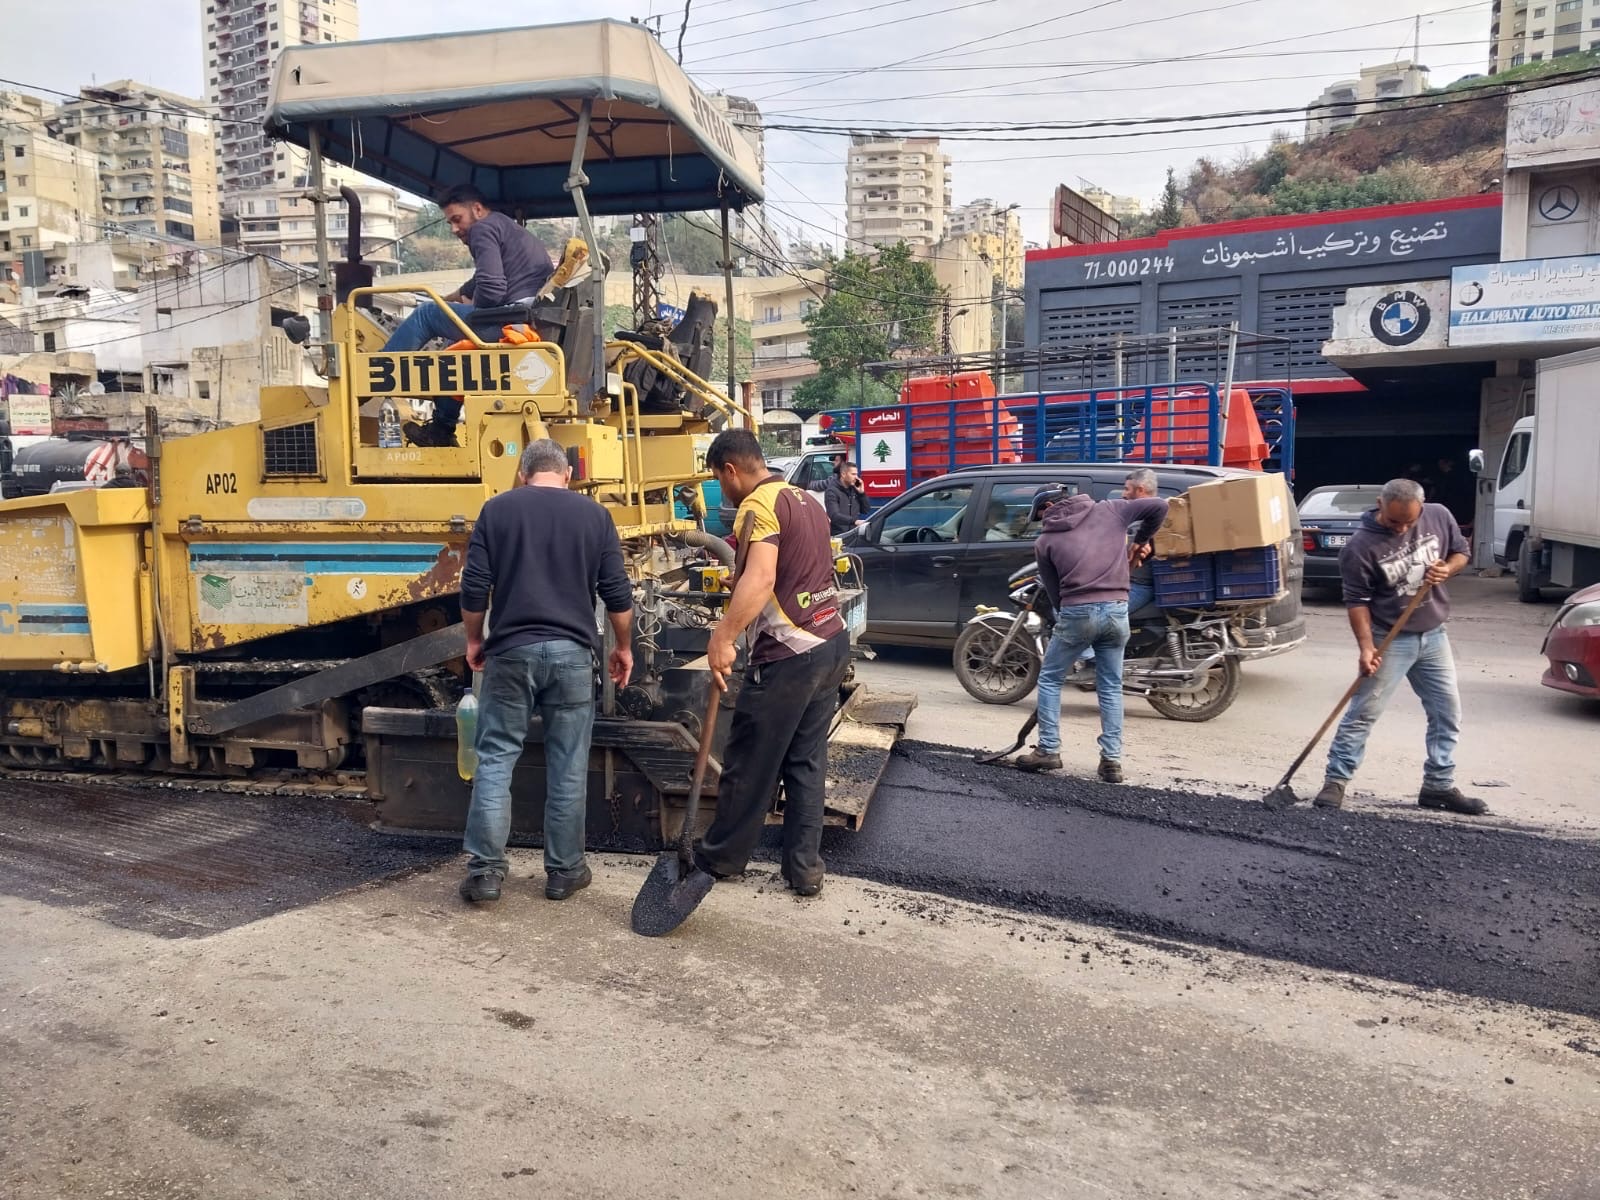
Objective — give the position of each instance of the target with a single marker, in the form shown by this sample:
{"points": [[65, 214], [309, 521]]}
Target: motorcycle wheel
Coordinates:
{"points": [[1003, 683], [1211, 700]]}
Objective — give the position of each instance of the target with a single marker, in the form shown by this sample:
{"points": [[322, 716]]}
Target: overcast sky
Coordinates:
{"points": [[892, 61]]}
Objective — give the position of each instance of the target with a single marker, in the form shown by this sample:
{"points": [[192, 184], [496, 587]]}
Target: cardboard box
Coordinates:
{"points": [[1239, 513], [1175, 538]]}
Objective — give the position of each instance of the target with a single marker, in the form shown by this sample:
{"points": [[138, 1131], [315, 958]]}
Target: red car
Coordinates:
{"points": [[1573, 645]]}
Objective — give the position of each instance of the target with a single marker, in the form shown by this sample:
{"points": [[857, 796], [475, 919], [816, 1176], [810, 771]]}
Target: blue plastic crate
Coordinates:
{"points": [[1249, 574], [1185, 582]]}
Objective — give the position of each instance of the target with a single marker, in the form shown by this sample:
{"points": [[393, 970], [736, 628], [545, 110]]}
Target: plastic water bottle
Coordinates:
{"points": [[389, 434], [467, 736]]}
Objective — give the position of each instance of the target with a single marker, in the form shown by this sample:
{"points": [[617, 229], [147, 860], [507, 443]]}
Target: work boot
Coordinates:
{"points": [[1331, 795], [807, 888], [558, 885], [1450, 799], [481, 887], [1110, 770], [1039, 760], [429, 434]]}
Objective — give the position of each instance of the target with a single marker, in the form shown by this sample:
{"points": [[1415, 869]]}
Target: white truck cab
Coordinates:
{"points": [[1513, 493]]}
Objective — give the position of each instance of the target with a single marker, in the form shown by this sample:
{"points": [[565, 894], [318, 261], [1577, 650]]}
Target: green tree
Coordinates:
{"points": [[1170, 214], [878, 306]]}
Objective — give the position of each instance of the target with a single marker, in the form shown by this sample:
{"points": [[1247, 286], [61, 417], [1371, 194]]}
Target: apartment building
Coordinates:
{"points": [[1120, 207], [281, 225], [49, 191], [1521, 32], [896, 190], [994, 232], [156, 158], [242, 40], [778, 308], [1343, 103]]}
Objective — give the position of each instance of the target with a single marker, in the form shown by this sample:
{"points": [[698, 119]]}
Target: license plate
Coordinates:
{"points": [[1334, 540]]}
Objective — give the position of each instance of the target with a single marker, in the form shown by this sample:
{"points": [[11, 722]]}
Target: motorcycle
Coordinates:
{"points": [[1186, 664]]}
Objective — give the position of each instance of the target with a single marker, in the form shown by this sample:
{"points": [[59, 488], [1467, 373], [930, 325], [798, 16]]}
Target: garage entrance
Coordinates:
{"points": [[1415, 423]]}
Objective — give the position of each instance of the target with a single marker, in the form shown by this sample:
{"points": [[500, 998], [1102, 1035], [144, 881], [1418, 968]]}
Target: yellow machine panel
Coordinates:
{"points": [[72, 593]]}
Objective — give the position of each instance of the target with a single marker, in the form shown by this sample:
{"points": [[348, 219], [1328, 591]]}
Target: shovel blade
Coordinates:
{"points": [[668, 896], [1280, 797]]}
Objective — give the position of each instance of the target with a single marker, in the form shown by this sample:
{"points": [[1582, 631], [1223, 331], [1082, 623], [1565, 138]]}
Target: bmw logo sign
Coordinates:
{"points": [[1399, 318]]}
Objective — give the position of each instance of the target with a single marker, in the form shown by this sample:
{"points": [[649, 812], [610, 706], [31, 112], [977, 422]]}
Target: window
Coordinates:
{"points": [[22, 181], [1569, 5], [1538, 34], [1006, 517], [274, 45], [1516, 460], [327, 37], [1538, 12], [49, 343], [1570, 27], [27, 240], [19, 151], [1538, 57], [933, 517], [203, 389], [22, 210]]}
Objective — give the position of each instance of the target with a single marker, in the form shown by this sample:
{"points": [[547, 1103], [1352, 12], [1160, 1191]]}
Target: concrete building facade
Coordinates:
{"points": [[995, 234], [240, 45], [896, 190], [49, 191], [778, 308], [1343, 103], [156, 157], [1521, 31], [280, 224], [750, 227], [1120, 207]]}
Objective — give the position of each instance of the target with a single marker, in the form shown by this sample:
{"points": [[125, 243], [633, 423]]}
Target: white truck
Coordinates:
{"points": [[1547, 490]]}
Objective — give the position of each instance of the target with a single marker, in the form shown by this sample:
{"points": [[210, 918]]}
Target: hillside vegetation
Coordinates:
{"points": [[1418, 150]]}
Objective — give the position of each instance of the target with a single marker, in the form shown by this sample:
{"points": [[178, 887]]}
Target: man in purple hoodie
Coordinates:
{"points": [[1083, 564]]}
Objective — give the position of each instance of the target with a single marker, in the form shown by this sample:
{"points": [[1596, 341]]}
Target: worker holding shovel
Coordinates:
{"points": [[1394, 571]]}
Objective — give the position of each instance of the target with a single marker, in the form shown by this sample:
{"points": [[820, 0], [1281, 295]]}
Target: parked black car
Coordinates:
{"points": [[1328, 516], [932, 555]]}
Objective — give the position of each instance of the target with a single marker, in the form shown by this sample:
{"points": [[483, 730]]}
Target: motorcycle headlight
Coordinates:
{"points": [[1580, 616]]}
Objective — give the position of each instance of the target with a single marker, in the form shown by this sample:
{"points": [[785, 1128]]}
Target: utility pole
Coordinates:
{"points": [[646, 264], [948, 351]]}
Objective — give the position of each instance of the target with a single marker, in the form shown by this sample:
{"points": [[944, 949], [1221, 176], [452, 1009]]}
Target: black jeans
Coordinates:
{"points": [[780, 729]]}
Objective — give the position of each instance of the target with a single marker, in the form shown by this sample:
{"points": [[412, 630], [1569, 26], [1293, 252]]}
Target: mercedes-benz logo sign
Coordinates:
{"points": [[1558, 203], [1399, 318]]}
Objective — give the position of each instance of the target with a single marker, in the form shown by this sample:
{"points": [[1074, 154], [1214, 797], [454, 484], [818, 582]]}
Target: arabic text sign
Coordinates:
{"points": [[1337, 244], [881, 451], [30, 415], [1538, 300]]}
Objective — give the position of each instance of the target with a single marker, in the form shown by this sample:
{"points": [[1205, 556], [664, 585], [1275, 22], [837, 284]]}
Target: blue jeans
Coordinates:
{"points": [[556, 680], [1139, 595], [1080, 627], [426, 322], [1424, 659]]}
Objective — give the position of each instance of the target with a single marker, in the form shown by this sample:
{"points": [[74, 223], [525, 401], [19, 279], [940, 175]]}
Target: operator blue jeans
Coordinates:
{"points": [[1427, 662], [426, 322], [1079, 627], [556, 680]]}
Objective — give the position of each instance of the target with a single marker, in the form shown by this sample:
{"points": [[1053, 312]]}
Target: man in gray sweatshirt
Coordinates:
{"points": [[1083, 565], [1402, 544]]}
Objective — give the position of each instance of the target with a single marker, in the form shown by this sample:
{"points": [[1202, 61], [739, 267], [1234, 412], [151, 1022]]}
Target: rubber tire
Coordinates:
{"points": [[1169, 707], [972, 641], [1528, 595]]}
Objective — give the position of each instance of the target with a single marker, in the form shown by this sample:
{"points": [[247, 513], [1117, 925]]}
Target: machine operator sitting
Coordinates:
{"points": [[510, 266]]}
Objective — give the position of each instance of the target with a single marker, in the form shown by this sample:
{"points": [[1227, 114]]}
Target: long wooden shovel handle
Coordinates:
{"points": [[1355, 686]]}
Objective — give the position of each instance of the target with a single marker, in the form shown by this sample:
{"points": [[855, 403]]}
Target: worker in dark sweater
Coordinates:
{"points": [[510, 266], [1401, 545], [1083, 566], [543, 554]]}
